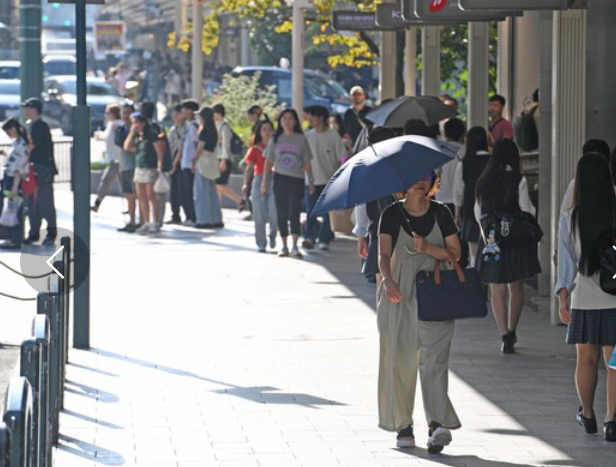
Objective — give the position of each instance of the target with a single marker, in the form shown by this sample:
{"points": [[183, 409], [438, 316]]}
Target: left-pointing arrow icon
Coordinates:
{"points": [[50, 260]]}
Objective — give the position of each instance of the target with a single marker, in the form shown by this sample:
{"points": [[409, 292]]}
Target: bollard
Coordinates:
{"points": [[40, 331], [5, 445], [66, 259], [58, 285], [30, 368], [48, 304], [18, 417]]}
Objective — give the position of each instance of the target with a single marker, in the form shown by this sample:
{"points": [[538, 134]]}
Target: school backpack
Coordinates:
{"points": [[237, 147], [525, 130]]}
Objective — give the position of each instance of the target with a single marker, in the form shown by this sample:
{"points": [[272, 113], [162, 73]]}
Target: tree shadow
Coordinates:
{"points": [[89, 451]]}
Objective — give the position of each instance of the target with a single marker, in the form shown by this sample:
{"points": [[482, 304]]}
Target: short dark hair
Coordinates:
{"points": [[416, 127], [597, 146], [190, 104], [219, 109], [254, 110], [14, 123], [380, 133], [454, 129], [318, 111], [146, 108], [498, 98]]}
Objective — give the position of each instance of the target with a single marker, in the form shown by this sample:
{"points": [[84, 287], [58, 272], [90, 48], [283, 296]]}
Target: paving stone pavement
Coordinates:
{"points": [[207, 353]]}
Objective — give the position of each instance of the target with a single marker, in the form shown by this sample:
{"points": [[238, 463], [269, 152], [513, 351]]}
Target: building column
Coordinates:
{"points": [[568, 113], [545, 151], [526, 52], [410, 71], [478, 74], [197, 53], [431, 70], [601, 76], [504, 62], [387, 81], [297, 57]]}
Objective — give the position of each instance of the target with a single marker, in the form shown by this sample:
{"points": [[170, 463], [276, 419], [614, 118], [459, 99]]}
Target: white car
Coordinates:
{"points": [[10, 98]]}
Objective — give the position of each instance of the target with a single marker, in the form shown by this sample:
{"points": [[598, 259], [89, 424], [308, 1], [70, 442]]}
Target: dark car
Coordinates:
{"points": [[9, 98], [60, 96], [318, 88]]}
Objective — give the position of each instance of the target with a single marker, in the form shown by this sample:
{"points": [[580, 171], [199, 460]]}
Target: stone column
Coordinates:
{"points": [[431, 71], [478, 74]]}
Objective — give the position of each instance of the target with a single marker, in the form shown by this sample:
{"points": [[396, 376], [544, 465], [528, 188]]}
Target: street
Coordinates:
{"points": [[206, 353]]}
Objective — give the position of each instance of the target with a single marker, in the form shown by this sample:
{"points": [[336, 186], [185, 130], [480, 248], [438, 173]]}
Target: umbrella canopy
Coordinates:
{"points": [[382, 169], [394, 114]]}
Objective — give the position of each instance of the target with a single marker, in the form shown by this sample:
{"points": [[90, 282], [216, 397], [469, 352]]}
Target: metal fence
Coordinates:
{"points": [[31, 420], [63, 154]]}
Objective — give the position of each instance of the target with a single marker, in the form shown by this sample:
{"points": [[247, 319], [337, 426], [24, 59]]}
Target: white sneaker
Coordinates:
{"points": [[439, 438], [323, 246], [143, 230], [154, 229], [188, 223]]}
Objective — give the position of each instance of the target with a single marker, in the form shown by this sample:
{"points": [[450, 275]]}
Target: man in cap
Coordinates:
{"points": [[355, 117], [42, 205]]}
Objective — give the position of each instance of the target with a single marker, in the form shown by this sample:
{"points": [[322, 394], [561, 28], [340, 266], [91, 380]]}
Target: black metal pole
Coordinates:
{"points": [[81, 184]]}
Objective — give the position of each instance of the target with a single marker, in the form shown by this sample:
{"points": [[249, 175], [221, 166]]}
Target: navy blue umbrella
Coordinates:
{"points": [[382, 169]]}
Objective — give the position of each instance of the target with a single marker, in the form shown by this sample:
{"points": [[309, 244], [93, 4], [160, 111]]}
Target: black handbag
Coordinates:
{"points": [[450, 294], [516, 229], [607, 276]]}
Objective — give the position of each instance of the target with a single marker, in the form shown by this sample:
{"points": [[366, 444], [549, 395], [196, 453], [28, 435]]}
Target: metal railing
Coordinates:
{"points": [[35, 398], [63, 155]]}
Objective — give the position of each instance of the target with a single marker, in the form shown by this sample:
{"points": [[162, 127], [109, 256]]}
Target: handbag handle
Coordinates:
{"points": [[456, 266]]}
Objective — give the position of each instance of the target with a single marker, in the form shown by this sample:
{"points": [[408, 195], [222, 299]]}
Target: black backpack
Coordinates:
{"points": [[525, 128], [237, 146]]}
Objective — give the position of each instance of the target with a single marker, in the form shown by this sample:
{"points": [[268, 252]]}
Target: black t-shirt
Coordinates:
{"points": [[41, 138], [352, 124], [392, 220]]}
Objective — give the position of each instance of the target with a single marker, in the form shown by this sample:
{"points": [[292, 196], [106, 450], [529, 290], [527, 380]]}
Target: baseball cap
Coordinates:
{"points": [[34, 103], [357, 89]]}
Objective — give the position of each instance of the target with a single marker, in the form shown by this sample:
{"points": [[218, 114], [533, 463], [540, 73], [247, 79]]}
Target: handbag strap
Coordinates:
{"points": [[456, 266]]}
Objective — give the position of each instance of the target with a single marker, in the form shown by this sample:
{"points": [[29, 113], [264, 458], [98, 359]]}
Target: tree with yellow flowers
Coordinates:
{"points": [[347, 48]]}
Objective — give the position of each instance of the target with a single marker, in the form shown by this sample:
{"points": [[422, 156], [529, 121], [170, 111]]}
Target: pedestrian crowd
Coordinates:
{"points": [[476, 210]]}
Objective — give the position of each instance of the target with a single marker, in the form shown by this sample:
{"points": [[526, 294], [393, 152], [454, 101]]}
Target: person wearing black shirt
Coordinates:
{"points": [[413, 234], [355, 118], [42, 205]]}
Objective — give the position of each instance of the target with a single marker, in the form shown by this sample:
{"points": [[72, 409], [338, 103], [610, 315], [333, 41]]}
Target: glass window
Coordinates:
{"points": [[9, 89]]}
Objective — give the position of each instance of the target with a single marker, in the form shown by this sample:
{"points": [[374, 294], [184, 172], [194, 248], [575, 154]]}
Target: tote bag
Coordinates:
{"points": [[450, 294], [207, 165]]}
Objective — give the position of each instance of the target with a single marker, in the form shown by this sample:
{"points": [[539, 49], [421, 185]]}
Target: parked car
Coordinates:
{"points": [[318, 88], [60, 96], [9, 69], [10, 98], [59, 65]]}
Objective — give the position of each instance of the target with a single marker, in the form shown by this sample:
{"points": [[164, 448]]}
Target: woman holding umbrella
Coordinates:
{"points": [[413, 234]]}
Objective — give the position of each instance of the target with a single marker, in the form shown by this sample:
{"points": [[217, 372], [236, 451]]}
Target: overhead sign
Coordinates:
{"points": [[516, 4], [390, 15], [88, 2], [449, 10], [109, 37], [355, 21]]}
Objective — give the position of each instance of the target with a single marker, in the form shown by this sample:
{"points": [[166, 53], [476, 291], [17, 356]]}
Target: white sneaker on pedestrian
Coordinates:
{"points": [[439, 438], [189, 223], [295, 253], [143, 230], [154, 229], [323, 246]]}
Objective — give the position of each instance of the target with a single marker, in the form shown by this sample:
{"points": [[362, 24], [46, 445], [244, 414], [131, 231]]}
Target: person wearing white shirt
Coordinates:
{"points": [[328, 151], [586, 228], [184, 159], [112, 153], [502, 189]]}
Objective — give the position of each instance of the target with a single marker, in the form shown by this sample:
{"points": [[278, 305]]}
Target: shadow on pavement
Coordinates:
{"points": [[261, 395], [89, 451], [458, 461]]}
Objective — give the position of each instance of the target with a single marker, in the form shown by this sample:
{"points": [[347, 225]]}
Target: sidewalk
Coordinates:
{"points": [[207, 353]]}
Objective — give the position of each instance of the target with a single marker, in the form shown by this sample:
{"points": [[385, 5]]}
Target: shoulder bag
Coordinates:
{"points": [[207, 165], [450, 294]]}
